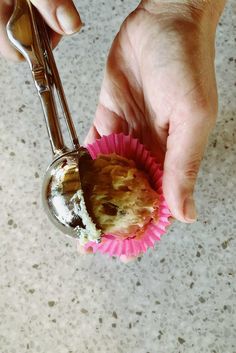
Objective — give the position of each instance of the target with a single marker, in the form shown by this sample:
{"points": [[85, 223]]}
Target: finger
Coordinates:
{"points": [[6, 49], [61, 15], [82, 251], [105, 123], [185, 148], [91, 136], [155, 142], [55, 37], [127, 259]]}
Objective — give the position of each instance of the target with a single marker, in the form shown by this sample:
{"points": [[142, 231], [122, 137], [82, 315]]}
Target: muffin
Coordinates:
{"points": [[118, 196], [124, 197]]}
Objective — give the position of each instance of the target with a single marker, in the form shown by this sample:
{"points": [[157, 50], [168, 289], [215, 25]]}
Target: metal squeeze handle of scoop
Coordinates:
{"points": [[63, 194], [27, 31]]}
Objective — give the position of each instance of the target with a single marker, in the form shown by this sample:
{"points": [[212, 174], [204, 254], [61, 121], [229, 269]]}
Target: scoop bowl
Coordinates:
{"points": [[61, 187]]}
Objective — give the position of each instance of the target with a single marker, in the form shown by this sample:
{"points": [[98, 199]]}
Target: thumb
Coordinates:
{"points": [[6, 49], [185, 148], [60, 15]]}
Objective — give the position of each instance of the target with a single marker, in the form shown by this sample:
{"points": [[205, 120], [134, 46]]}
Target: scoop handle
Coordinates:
{"points": [[27, 31], [47, 99], [55, 81]]}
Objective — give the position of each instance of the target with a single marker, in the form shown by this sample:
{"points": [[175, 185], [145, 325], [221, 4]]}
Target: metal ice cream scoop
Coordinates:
{"points": [[27, 31]]}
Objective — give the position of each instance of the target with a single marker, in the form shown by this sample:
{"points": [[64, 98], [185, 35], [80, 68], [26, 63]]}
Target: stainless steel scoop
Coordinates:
{"points": [[27, 31]]}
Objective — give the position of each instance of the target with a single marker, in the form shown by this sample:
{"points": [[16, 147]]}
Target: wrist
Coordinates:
{"points": [[196, 10]]}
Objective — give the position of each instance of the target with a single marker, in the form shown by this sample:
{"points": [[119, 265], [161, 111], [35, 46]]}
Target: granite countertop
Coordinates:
{"points": [[181, 297]]}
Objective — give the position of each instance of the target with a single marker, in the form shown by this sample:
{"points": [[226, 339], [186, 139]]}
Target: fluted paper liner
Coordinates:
{"points": [[131, 148]]}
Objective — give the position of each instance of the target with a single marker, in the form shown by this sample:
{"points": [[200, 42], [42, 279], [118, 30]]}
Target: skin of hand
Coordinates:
{"points": [[61, 16], [160, 86]]}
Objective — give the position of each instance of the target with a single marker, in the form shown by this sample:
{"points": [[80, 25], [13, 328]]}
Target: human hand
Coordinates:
{"points": [[60, 15], [160, 86]]}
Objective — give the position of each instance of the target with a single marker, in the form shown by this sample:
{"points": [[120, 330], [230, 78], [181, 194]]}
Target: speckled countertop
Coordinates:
{"points": [[180, 297]]}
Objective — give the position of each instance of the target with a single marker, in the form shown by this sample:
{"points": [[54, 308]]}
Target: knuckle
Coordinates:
{"points": [[187, 171], [191, 168], [200, 104]]}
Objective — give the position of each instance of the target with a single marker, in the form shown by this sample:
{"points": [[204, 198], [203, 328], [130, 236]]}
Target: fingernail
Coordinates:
{"points": [[127, 259], [69, 19], [190, 213]]}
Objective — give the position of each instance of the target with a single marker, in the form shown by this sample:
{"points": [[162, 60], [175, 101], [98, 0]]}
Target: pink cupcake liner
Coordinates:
{"points": [[131, 148]]}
